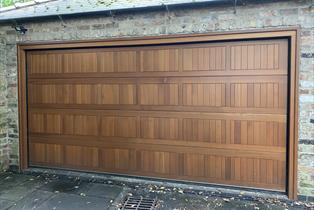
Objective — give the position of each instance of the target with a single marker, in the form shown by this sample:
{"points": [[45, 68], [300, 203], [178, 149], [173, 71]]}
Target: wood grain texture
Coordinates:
{"points": [[210, 112]]}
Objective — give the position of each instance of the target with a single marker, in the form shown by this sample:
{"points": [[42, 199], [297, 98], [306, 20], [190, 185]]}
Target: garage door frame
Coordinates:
{"points": [[292, 34]]}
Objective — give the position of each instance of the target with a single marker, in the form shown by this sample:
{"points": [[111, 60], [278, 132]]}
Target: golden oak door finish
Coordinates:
{"points": [[208, 112]]}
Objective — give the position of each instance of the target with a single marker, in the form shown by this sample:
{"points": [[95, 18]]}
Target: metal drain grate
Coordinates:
{"points": [[139, 203]]}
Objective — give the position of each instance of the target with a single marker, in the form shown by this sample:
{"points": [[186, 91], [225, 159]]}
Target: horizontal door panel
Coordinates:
{"points": [[263, 93], [233, 150], [250, 56], [215, 168], [222, 129]]}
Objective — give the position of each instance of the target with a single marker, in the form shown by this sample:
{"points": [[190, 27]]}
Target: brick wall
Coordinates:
{"points": [[4, 147], [201, 20]]}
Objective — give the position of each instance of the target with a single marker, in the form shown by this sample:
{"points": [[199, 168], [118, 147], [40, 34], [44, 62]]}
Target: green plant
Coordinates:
{"points": [[6, 3]]}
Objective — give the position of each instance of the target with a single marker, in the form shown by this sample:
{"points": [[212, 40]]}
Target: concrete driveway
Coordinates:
{"points": [[50, 191]]}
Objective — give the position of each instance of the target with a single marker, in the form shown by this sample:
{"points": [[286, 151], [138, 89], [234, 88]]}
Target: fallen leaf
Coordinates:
{"points": [[226, 199]]}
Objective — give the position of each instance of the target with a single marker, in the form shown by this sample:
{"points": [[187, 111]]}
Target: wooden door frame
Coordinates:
{"points": [[292, 34]]}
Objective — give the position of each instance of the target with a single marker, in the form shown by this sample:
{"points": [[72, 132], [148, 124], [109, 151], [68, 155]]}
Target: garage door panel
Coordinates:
{"points": [[38, 153], [212, 58], [105, 62], [203, 167], [159, 162], [119, 126], [209, 112], [271, 56], [160, 128], [126, 61], [82, 93], [39, 63], [235, 150], [245, 57], [253, 170], [258, 133], [258, 151], [188, 127], [53, 123], [258, 95], [266, 94], [204, 130], [80, 125], [118, 159], [56, 123], [160, 60], [202, 94], [115, 94], [42, 153], [79, 62], [78, 156], [158, 94], [257, 166], [36, 123], [61, 155]]}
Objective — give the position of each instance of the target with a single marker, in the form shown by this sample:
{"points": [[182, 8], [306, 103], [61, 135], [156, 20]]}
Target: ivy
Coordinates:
{"points": [[6, 3]]}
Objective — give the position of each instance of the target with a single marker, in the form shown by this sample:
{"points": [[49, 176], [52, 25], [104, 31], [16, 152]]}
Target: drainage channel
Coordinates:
{"points": [[139, 203]]}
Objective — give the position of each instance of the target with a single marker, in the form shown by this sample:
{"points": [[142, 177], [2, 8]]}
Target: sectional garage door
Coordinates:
{"points": [[206, 112]]}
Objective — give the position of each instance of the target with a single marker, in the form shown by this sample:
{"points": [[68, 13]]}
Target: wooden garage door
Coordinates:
{"points": [[208, 112]]}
